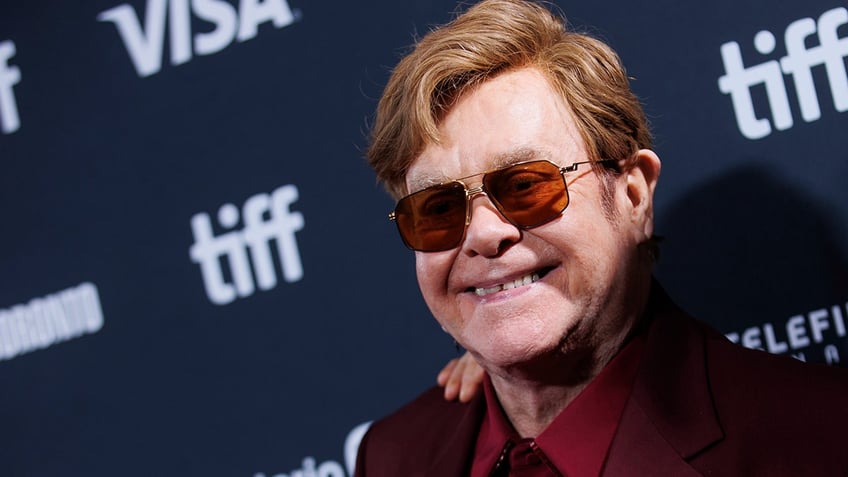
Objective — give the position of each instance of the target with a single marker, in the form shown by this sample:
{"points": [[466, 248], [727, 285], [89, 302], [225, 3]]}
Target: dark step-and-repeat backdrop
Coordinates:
{"points": [[197, 276]]}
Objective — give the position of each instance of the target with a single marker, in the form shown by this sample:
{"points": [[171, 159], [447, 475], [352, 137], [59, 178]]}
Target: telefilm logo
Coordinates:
{"points": [[830, 52], [799, 335], [145, 43], [9, 76], [330, 468], [267, 219], [50, 320]]}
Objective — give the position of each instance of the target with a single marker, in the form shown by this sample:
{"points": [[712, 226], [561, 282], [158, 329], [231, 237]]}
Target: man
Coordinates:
{"points": [[525, 179]]}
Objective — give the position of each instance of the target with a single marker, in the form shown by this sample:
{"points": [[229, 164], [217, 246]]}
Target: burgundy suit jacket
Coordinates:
{"points": [[701, 405]]}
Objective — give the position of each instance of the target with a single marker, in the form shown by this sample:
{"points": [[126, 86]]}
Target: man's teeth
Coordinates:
{"points": [[526, 280]]}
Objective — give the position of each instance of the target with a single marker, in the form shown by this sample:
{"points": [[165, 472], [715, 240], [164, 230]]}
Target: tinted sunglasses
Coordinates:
{"points": [[526, 194]]}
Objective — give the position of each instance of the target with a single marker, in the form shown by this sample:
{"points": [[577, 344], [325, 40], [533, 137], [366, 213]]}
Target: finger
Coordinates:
{"points": [[445, 373], [452, 390], [472, 380], [453, 384]]}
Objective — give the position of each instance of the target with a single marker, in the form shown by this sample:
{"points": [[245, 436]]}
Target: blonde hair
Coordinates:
{"points": [[490, 38]]}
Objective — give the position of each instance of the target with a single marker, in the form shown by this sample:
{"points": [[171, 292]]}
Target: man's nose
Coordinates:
{"points": [[488, 233]]}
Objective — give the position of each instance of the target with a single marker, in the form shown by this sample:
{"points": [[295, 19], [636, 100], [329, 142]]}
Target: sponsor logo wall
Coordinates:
{"points": [[198, 277]]}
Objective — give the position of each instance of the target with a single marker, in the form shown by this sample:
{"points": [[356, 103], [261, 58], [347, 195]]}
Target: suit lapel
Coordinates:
{"points": [[639, 449], [670, 416]]}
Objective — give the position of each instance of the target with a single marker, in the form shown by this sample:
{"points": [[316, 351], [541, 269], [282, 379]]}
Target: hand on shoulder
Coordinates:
{"points": [[461, 377]]}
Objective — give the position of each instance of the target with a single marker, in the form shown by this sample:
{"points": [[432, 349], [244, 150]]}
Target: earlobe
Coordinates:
{"points": [[642, 179]]}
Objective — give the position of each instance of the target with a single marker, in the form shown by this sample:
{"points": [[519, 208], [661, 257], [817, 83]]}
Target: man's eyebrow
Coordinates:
{"points": [[504, 159], [423, 182], [515, 156]]}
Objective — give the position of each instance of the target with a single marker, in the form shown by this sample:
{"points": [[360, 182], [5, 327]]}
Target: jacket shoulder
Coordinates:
{"points": [[428, 415], [777, 412], [728, 410], [418, 434], [773, 381]]}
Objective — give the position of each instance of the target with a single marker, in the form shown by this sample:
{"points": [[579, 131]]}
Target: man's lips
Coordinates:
{"points": [[528, 279]]}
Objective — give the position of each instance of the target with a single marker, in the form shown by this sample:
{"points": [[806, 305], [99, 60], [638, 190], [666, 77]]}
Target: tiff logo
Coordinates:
{"points": [[266, 218], [9, 77], [145, 44], [799, 61]]}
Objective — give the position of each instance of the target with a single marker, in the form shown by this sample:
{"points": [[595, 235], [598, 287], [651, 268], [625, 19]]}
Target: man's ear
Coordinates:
{"points": [[642, 178]]}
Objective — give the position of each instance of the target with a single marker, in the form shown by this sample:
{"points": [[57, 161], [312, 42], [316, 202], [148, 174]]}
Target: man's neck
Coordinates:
{"points": [[533, 395], [531, 407]]}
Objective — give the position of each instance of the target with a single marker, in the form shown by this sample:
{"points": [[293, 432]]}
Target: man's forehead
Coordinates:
{"points": [[421, 176]]}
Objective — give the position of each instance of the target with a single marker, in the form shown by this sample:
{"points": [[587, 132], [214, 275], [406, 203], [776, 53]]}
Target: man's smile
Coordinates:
{"points": [[527, 279]]}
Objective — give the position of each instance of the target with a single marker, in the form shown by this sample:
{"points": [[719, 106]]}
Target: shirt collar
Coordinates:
{"points": [[495, 433]]}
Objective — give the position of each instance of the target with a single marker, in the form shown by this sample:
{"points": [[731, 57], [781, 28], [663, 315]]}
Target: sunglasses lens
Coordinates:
{"points": [[433, 219], [528, 194]]}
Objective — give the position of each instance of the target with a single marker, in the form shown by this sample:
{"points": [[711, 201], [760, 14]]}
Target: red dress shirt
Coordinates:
{"points": [[575, 444]]}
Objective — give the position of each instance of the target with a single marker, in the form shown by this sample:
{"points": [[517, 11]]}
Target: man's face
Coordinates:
{"points": [[569, 274]]}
